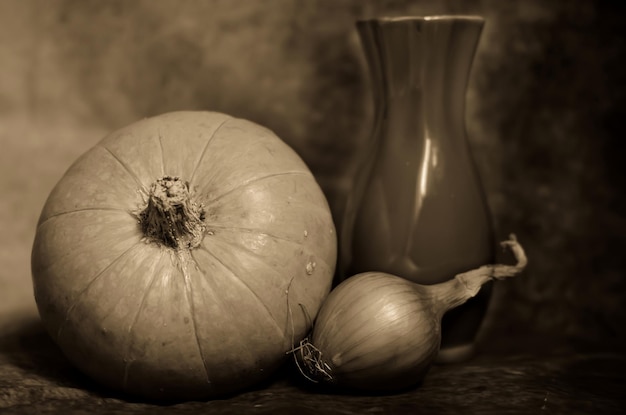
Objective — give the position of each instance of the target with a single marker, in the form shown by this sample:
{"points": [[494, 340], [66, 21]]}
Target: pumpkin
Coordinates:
{"points": [[183, 256]]}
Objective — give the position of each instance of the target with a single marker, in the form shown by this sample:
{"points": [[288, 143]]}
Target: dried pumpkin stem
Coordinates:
{"points": [[171, 217], [466, 285]]}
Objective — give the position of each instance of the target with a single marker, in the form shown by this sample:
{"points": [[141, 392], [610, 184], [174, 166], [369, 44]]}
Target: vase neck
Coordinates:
{"points": [[421, 59]]}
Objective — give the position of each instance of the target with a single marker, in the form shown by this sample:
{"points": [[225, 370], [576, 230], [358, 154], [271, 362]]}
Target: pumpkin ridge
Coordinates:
{"points": [[253, 180], [192, 308], [68, 212], [248, 288], [246, 250], [131, 328], [261, 258], [204, 149], [254, 231], [126, 167], [89, 284]]}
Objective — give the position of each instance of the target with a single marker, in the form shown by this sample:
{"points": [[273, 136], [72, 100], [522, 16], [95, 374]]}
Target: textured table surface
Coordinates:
{"points": [[36, 379]]}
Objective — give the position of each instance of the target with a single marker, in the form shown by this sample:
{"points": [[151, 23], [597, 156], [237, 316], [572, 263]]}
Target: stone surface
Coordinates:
{"points": [[544, 117]]}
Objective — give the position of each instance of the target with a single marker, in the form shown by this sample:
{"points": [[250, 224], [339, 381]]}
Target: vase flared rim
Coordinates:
{"points": [[439, 17]]}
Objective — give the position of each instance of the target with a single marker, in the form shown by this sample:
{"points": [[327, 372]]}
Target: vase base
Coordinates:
{"points": [[456, 354]]}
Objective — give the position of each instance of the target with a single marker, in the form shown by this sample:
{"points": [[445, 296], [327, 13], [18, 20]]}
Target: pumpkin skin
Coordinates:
{"points": [[179, 323]]}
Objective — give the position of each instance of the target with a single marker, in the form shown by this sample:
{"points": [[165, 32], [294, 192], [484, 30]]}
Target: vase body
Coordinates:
{"points": [[417, 208]]}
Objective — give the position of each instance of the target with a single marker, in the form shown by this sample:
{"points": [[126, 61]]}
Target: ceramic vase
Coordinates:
{"points": [[417, 208]]}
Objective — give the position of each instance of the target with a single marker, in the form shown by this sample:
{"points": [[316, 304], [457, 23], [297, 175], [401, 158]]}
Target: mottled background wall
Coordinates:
{"points": [[545, 119]]}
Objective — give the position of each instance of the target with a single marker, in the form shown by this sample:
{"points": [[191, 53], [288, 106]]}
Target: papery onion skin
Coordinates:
{"points": [[378, 332], [357, 321]]}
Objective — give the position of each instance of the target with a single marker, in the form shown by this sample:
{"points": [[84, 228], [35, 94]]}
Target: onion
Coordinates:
{"points": [[380, 333]]}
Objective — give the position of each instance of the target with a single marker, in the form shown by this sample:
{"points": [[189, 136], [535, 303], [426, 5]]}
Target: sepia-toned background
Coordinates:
{"points": [[545, 119]]}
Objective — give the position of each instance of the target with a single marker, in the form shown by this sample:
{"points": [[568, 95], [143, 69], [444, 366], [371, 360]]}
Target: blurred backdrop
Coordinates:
{"points": [[545, 116]]}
